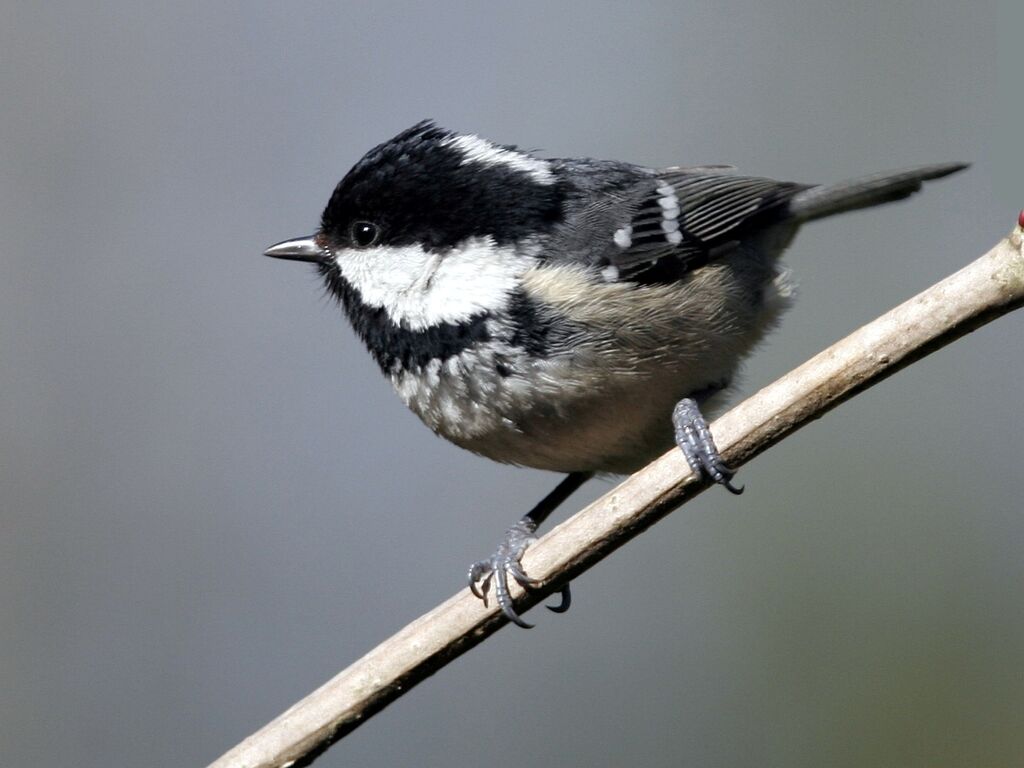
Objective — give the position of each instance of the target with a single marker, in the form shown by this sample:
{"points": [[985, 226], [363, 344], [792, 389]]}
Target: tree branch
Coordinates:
{"points": [[989, 287]]}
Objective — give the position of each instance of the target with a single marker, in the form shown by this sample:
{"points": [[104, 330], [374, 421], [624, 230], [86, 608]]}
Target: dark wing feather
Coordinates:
{"points": [[686, 217]]}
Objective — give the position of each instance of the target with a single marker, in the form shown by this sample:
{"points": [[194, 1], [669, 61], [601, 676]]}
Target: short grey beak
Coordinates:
{"points": [[299, 249]]}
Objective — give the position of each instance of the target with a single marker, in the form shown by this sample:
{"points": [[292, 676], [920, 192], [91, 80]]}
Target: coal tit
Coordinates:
{"points": [[572, 315]]}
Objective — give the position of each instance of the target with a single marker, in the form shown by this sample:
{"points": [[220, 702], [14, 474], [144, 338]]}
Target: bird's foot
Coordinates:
{"points": [[505, 562], [694, 439]]}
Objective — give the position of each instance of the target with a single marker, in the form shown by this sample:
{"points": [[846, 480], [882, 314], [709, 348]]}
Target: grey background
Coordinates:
{"points": [[210, 502]]}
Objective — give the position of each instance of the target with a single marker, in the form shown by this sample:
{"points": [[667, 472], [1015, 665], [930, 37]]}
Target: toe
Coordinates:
{"points": [[504, 599]]}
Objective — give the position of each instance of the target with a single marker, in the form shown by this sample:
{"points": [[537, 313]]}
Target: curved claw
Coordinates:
{"points": [[476, 592], [481, 568], [723, 475], [515, 569], [504, 599], [733, 489], [565, 603]]}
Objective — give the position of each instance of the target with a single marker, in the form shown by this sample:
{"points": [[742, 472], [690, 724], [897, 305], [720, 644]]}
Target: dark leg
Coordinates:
{"points": [[694, 439], [505, 561]]}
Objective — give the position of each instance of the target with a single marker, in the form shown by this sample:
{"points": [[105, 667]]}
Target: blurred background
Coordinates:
{"points": [[211, 502]]}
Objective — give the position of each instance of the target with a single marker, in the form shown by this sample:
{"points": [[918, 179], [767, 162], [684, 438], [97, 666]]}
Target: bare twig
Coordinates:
{"points": [[989, 287]]}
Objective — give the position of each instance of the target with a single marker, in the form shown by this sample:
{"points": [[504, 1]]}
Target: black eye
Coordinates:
{"points": [[364, 233]]}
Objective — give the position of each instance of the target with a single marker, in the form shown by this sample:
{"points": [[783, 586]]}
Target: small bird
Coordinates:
{"points": [[573, 315]]}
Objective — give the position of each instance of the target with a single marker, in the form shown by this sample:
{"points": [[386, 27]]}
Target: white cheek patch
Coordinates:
{"points": [[477, 150], [419, 289]]}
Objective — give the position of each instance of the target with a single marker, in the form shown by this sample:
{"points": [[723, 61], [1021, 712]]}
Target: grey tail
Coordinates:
{"points": [[816, 202]]}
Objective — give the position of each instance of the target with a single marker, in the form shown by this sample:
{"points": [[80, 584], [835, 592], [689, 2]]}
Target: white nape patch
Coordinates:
{"points": [[624, 237], [477, 150], [419, 289]]}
